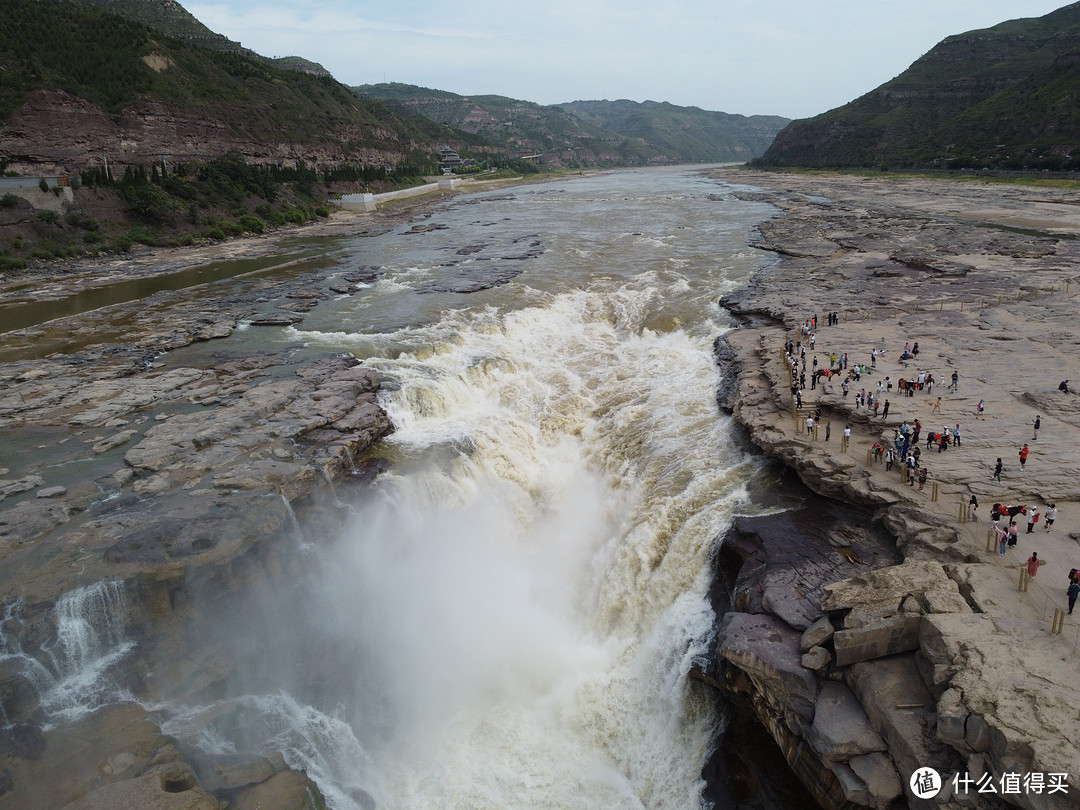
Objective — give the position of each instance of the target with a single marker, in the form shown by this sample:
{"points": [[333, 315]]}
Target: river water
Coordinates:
{"points": [[508, 616]]}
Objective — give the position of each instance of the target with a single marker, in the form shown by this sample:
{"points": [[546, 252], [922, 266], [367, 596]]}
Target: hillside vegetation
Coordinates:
{"points": [[113, 61], [590, 133], [1004, 97], [515, 127], [683, 134]]}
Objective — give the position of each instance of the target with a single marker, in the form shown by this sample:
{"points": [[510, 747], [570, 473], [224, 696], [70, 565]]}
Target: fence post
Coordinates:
{"points": [[1058, 623], [963, 510], [934, 491], [991, 540], [1023, 579]]}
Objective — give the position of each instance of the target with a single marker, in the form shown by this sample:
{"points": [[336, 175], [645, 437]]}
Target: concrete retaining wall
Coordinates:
{"points": [[368, 202]]}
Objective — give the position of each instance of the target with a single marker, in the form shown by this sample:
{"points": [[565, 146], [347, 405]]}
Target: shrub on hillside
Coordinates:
{"points": [[252, 223]]}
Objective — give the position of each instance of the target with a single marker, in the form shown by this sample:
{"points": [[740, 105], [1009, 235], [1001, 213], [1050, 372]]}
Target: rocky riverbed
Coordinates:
{"points": [[165, 486], [179, 483], [947, 659], [890, 639]]}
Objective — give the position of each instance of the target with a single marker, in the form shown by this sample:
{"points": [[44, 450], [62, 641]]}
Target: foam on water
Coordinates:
{"points": [[534, 599], [514, 607]]}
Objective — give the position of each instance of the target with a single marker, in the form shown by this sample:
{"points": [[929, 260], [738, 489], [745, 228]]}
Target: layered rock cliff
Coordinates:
{"points": [[879, 671]]}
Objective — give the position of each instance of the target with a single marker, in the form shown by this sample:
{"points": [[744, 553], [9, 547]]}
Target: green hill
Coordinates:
{"points": [[684, 134], [118, 64], [516, 127], [1002, 97], [584, 133]]}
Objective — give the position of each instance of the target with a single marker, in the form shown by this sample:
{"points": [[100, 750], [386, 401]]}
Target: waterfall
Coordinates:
{"points": [[508, 616], [72, 676], [524, 593]]}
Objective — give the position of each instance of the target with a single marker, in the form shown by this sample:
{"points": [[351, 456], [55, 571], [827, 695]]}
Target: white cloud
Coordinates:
{"points": [[785, 57]]}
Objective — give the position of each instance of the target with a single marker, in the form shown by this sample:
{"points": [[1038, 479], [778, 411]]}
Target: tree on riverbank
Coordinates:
{"points": [[169, 205]]}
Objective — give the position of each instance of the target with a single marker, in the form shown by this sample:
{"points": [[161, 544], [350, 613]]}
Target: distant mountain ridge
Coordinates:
{"points": [[1001, 97], [690, 134], [591, 132]]}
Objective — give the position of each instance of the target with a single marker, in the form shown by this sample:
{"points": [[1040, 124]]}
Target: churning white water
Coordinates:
{"points": [[519, 599], [72, 677]]}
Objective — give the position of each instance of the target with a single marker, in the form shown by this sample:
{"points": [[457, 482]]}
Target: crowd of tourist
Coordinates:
{"points": [[900, 444]]}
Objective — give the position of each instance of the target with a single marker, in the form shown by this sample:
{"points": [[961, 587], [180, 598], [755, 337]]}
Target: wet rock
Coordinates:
{"points": [[816, 634], [840, 729], [768, 651], [29, 520], [878, 773], [473, 278], [29, 482], [227, 772], [114, 441], [277, 319], [816, 659], [363, 275], [289, 790]]}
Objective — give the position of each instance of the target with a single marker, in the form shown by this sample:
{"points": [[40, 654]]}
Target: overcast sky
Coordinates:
{"points": [[794, 58]]}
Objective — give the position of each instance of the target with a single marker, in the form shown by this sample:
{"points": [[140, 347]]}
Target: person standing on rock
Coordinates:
{"points": [[809, 425], [1023, 456], [1050, 516], [997, 471], [828, 430], [1003, 536], [955, 386], [980, 408], [1037, 424], [1073, 592], [923, 474], [1033, 518], [885, 410], [973, 507], [1033, 564], [956, 435], [937, 406], [1014, 534]]}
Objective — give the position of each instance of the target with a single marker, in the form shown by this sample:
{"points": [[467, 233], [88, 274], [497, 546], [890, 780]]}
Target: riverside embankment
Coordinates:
{"points": [[950, 659]]}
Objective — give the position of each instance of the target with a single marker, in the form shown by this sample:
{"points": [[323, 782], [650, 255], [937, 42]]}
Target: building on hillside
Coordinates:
{"points": [[449, 160]]}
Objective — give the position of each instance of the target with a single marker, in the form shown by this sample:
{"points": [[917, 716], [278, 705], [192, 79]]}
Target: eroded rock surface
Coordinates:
{"points": [[940, 656]]}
